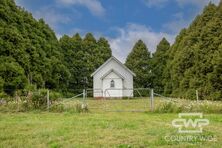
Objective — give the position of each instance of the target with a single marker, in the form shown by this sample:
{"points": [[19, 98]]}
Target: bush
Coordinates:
{"points": [[1, 84], [26, 100], [190, 94], [39, 100], [54, 96], [215, 96], [3, 97]]}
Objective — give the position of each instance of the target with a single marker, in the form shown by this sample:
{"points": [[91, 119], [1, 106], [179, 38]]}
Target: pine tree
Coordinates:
{"points": [[139, 62], [41, 59], [190, 65], [105, 51], [33, 46], [159, 60], [95, 54]]}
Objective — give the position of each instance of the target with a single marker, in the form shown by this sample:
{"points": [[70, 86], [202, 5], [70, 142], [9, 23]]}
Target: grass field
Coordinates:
{"points": [[100, 129]]}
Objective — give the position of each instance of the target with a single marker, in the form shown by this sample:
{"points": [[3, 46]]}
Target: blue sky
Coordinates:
{"points": [[122, 22]]}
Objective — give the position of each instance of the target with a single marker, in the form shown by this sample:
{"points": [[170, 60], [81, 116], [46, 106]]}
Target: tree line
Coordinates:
{"points": [[32, 57], [193, 62]]}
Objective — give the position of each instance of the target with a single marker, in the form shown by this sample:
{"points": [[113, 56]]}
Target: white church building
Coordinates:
{"points": [[113, 79]]}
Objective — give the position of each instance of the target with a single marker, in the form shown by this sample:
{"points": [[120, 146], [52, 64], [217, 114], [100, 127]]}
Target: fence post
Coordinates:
{"points": [[48, 100], [151, 100], [17, 100], [197, 95], [84, 96]]}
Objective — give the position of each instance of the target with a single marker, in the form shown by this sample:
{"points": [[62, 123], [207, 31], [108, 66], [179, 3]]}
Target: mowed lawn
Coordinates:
{"points": [[102, 129]]}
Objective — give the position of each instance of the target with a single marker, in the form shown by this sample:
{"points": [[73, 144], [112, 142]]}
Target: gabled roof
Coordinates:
{"points": [[112, 70], [113, 58]]}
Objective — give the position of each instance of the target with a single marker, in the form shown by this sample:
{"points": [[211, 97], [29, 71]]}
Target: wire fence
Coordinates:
{"points": [[118, 100]]}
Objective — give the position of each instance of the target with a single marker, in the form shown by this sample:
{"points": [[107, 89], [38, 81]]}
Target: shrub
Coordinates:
{"points": [[39, 100], [54, 95], [190, 94]]}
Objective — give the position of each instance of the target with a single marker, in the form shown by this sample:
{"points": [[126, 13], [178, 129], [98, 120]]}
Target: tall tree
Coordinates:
{"points": [[72, 48], [159, 60], [105, 51], [95, 54], [139, 62], [90, 49], [33, 46], [82, 57], [192, 56]]}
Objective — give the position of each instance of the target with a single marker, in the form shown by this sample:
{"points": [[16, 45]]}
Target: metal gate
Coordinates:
{"points": [[139, 100]]}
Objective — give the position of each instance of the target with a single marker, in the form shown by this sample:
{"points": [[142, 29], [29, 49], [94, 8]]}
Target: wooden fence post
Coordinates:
{"points": [[48, 102], [84, 96], [197, 95], [151, 100], [17, 100]]}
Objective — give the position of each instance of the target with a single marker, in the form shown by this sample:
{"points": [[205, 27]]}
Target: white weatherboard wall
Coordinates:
{"points": [[117, 91], [113, 69]]}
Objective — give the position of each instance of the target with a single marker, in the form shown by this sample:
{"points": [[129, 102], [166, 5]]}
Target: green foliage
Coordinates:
{"points": [[159, 60], [194, 58], [192, 63], [31, 55], [1, 84], [39, 100], [54, 96], [12, 75], [32, 48], [139, 62], [82, 57]]}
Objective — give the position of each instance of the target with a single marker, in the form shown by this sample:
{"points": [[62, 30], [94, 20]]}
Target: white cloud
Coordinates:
{"points": [[94, 6], [51, 16], [123, 44], [19, 2], [198, 3], [177, 23], [155, 3], [178, 20], [182, 3]]}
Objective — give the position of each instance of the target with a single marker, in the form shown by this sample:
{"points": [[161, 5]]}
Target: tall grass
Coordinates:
{"points": [[203, 106], [77, 105]]}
